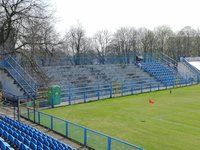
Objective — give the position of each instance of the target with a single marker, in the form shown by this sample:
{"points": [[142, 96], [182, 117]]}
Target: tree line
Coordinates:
{"points": [[27, 28]]}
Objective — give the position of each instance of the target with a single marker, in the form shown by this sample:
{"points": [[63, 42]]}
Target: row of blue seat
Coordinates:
{"points": [[4, 145], [164, 74], [25, 136]]}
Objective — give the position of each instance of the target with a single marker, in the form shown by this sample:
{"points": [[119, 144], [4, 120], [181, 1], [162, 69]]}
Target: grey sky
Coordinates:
{"points": [[96, 15]]}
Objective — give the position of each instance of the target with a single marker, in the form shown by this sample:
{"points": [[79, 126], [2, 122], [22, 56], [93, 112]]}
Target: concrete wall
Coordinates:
{"points": [[8, 84]]}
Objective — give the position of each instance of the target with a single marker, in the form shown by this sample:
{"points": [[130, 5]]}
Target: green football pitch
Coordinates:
{"points": [[171, 123]]}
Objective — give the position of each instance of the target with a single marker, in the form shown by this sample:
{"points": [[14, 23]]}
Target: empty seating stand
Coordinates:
{"points": [[83, 82], [164, 74], [24, 137]]}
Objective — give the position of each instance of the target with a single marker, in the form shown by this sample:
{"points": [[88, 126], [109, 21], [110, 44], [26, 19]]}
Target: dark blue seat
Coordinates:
{"points": [[33, 146], [39, 144], [17, 143], [24, 147], [21, 138], [39, 148], [46, 143], [46, 147], [41, 139], [11, 138], [34, 141], [15, 134], [5, 134], [27, 142], [1, 132]]}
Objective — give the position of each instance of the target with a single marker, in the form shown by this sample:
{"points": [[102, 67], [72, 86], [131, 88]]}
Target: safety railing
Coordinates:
{"points": [[191, 68], [73, 95], [20, 76], [81, 134]]}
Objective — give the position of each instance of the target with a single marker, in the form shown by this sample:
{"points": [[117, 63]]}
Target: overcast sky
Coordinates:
{"points": [[96, 15]]}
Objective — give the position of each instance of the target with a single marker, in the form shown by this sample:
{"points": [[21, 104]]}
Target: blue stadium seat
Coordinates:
{"points": [[24, 147], [40, 144], [34, 141], [16, 133], [162, 73], [33, 146], [11, 138], [5, 135], [4, 145], [17, 143], [39, 148], [27, 142], [21, 138], [1, 132], [46, 147]]}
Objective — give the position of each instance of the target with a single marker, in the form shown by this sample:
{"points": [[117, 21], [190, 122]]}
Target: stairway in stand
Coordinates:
{"points": [[20, 76]]}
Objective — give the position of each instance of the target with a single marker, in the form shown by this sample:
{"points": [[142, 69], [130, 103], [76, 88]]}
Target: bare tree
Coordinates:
{"points": [[186, 38], [146, 40], [162, 34], [42, 39], [76, 40], [197, 43], [124, 42], [15, 15], [102, 40]]}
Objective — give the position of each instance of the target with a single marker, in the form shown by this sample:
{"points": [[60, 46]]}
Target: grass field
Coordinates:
{"points": [[171, 123]]}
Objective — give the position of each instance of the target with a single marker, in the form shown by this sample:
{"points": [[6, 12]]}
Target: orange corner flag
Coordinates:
{"points": [[151, 101]]}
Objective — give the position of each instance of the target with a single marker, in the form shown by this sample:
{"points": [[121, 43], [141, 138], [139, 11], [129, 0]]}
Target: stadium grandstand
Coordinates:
{"points": [[25, 93]]}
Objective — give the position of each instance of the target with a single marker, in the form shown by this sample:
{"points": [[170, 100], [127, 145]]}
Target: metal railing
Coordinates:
{"points": [[191, 68], [80, 134], [20, 76], [73, 95]]}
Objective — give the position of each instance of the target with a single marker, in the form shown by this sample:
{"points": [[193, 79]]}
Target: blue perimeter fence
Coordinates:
{"points": [[83, 135], [72, 95]]}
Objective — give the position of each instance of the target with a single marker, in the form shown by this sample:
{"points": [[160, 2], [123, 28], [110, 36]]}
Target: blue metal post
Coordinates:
{"points": [[34, 110], [98, 92], [51, 122], [131, 90], [67, 128], [150, 87], [52, 99], [69, 95], [111, 91], [122, 91], [28, 114], [85, 136], [34, 103], [132, 87], [84, 97], [109, 143], [38, 117]]}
